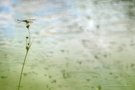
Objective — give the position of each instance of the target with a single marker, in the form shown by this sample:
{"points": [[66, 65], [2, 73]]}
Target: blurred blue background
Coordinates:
{"points": [[76, 44]]}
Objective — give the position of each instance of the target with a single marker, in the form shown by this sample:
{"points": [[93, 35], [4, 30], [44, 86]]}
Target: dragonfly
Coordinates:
{"points": [[26, 21]]}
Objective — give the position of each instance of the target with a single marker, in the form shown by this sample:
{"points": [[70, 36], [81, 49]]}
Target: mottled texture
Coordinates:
{"points": [[77, 44]]}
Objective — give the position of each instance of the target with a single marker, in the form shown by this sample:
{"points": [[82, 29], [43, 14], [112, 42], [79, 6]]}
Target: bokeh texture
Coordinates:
{"points": [[76, 44]]}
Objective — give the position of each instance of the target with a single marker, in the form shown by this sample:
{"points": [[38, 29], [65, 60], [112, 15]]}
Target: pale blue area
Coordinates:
{"points": [[54, 7], [5, 9], [15, 1], [51, 7], [48, 11], [8, 31]]}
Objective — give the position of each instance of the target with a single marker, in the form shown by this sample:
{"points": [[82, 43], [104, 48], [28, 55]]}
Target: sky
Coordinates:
{"points": [[64, 17], [45, 12]]}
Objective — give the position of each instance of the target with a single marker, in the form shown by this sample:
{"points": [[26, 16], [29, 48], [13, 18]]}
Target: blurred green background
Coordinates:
{"points": [[77, 44]]}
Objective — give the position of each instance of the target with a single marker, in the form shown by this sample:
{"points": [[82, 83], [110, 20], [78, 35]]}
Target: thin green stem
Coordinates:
{"points": [[20, 79], [28, 45], [29, 36]]}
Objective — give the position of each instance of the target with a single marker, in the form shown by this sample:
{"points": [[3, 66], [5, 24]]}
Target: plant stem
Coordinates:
{"points": [[29, 36], [28, 45], [20, 79]]}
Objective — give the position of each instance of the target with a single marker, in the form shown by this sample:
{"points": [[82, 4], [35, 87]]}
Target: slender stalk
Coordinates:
{"points": [[29, 35], [28, 45], [20, 79]]}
